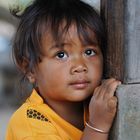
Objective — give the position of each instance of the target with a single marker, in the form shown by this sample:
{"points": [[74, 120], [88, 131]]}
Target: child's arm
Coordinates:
{"points": [[102, 110]]}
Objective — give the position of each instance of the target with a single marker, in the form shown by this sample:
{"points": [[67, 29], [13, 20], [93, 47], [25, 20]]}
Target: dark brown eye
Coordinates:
{"points": [[61, 55], [90, 52]]}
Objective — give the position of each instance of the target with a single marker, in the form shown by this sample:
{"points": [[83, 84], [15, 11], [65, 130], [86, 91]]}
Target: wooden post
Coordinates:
{"points": [[113, 16], [122, 21]]}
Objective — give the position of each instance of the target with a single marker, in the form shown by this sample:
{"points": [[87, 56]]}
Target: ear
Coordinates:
{"points": [[31, 77], [24, 67]]}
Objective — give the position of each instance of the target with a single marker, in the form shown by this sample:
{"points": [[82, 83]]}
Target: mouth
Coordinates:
{"points": [[80, 84]]}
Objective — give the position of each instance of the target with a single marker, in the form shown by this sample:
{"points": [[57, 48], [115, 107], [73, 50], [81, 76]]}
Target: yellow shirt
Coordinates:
{"points": [[35, 120]]}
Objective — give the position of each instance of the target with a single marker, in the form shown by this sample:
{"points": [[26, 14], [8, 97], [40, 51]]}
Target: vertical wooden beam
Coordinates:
{"points": [[122, 22], [113, 17]]}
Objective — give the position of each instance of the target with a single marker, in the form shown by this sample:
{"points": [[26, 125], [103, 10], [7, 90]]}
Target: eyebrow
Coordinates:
{"points": [[62, 45], [91, 42], [95, 43], [57, 46]]}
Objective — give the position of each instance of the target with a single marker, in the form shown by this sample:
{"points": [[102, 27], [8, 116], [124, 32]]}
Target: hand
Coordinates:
{"points": [[103, 104]]}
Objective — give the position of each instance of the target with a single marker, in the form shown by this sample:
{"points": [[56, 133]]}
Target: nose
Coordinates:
{"points": [[79, 66]]}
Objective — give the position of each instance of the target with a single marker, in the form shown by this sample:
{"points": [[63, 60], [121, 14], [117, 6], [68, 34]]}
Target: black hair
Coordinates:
{"points": [[44, 15]]}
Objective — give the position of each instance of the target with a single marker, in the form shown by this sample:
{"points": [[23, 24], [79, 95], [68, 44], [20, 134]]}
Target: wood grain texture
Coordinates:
{"points": [[113, 17], [122, 22]]}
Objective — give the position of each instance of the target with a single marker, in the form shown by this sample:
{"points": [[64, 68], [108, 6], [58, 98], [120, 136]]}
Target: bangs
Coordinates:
{"points": [[59, 31]]}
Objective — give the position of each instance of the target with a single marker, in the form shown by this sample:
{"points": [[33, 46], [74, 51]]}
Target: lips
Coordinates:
{"points": [[80, 84]]}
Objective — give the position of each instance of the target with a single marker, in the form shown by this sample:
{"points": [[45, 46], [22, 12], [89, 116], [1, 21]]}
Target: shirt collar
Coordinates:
{"points": [[35, 98]]}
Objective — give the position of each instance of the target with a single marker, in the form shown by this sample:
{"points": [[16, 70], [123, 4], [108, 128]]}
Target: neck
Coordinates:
{"points": [[72, 112]]}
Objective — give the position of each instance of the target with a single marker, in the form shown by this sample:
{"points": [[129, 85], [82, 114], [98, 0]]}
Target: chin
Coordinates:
{"points": [[79, 98]]}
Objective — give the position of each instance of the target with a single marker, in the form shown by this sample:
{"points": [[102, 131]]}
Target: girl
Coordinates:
{"points": [[59, 48]]}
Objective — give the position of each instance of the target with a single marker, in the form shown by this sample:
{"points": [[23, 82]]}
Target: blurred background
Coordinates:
{"points": [[7, 70], [8, 73], [10, 96]]}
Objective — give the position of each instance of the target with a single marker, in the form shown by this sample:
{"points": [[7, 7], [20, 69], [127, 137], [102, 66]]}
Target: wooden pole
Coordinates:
{"points": [[113, 17]]}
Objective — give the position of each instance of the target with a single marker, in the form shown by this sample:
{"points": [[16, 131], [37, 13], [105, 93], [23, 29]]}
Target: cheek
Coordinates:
{"points": [[55, 74], [97, 61], [99, 64], [96, 68]]}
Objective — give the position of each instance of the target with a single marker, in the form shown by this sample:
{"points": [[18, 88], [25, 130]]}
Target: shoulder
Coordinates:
{"points": [[28, 121], [19, 117]]}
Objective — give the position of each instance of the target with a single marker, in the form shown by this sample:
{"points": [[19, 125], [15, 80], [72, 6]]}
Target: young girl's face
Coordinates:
{"points": [[69, 71]]}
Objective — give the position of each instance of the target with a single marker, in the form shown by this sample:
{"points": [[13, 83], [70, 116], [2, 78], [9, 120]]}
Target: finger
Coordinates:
{"points": [[106, 81], [104, 87], [96, 92], [111, 88], [112, 104]]}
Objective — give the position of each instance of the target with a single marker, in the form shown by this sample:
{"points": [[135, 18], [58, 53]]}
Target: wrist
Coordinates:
{"points": [[96, 129]]}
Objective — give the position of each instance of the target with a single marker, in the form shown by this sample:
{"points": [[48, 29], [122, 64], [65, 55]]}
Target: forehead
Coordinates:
{"points": [[69, 33]]}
